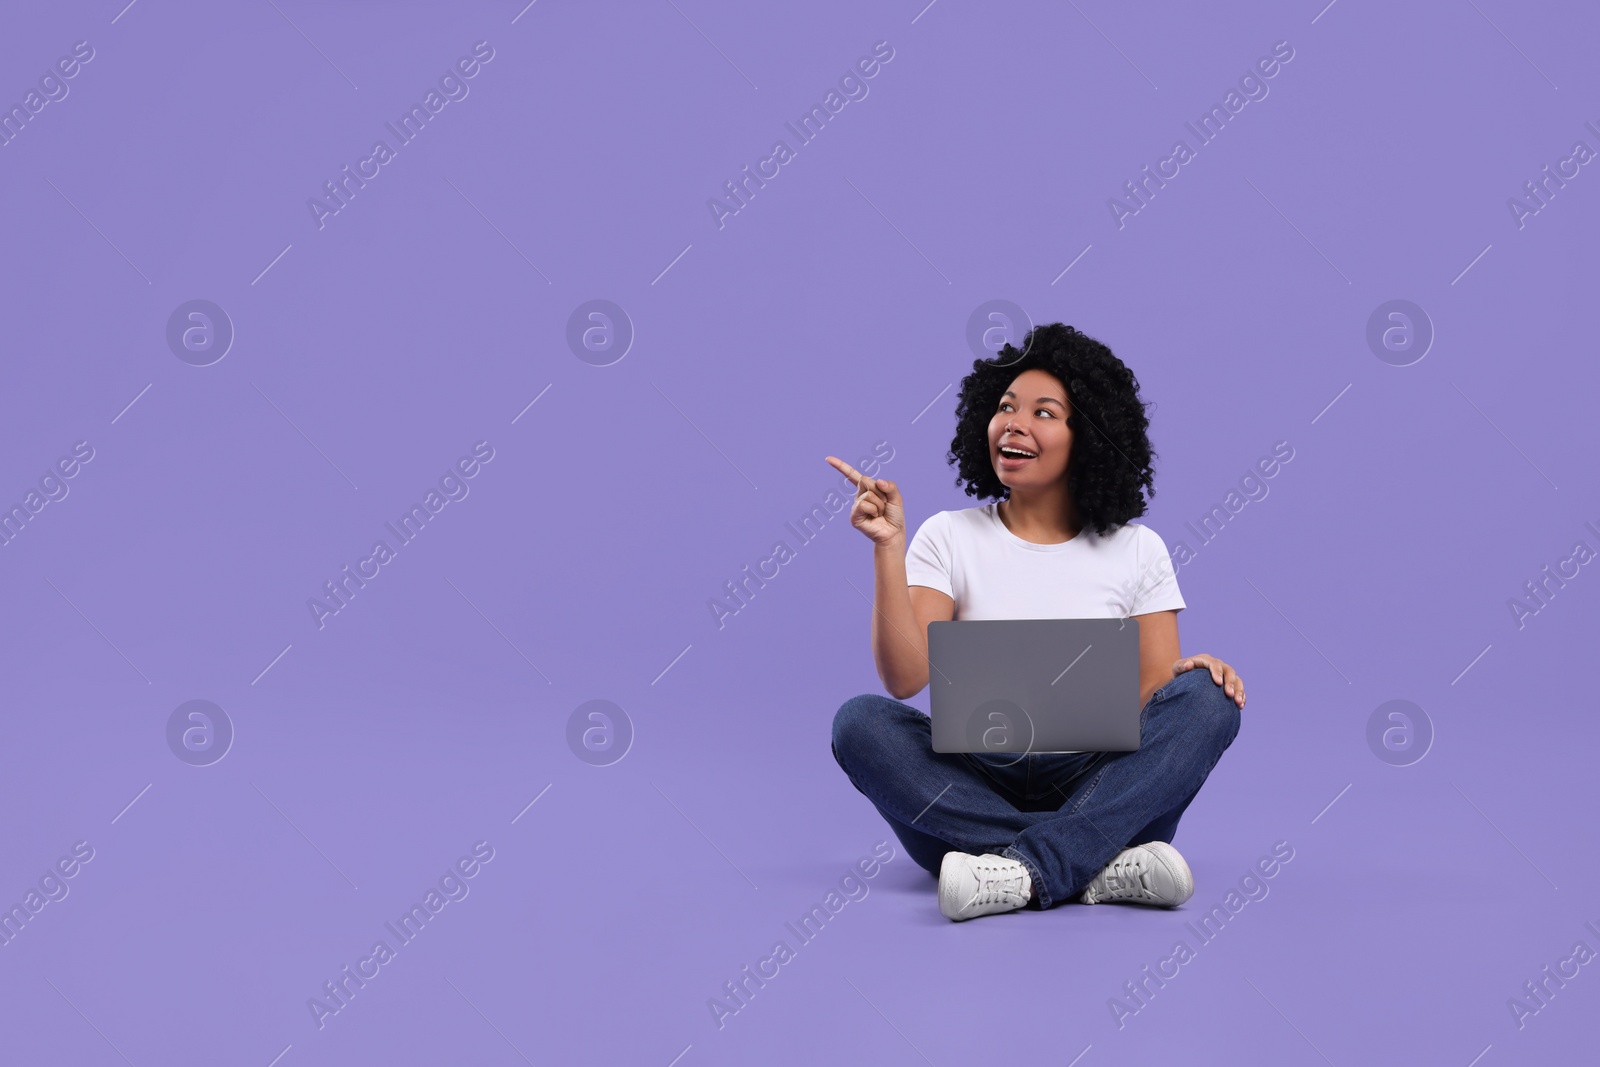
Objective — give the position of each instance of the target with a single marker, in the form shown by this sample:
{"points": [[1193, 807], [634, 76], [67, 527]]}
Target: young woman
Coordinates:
{"points": [[1058, 433]]}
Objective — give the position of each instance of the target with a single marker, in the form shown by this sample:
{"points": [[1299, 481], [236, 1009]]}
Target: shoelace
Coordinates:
{"points": [[995, 888], [1127, 877]]}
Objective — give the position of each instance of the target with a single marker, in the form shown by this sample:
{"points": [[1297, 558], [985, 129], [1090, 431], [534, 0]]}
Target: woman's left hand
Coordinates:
{"points": [[1221, 673]]}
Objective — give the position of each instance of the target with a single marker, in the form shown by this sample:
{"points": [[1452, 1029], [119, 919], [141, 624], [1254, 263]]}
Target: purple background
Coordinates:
{"points": [[830, 313]]}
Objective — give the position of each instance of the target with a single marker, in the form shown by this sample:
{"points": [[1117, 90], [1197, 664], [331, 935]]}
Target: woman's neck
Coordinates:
{"points": [[1042, 519]]}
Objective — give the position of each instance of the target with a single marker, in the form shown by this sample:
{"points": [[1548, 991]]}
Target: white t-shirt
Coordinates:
{"points": [[991, 573]]}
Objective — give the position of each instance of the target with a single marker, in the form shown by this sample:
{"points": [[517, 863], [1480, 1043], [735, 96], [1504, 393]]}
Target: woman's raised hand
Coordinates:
{"points": [[877, 511]]}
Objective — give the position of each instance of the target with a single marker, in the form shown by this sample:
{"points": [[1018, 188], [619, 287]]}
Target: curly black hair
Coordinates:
{"points": [[1109, 467]]}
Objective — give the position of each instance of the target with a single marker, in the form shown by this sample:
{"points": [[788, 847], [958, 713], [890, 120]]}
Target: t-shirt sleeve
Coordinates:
{"points": [[1156, 586], [929, 556]]}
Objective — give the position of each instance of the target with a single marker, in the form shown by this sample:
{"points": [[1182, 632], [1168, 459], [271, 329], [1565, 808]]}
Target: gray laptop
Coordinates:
{"points": [[1034, 685]]}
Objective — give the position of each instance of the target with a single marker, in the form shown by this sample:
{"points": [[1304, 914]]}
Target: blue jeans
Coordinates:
{"points": [[1064, 815]]}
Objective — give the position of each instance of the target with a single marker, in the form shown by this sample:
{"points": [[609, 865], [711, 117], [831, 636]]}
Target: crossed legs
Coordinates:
{"points": [[1062, 815]]}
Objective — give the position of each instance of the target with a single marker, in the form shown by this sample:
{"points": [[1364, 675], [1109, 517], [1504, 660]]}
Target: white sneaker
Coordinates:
{"points": [[1152, 873], [970, 886]]}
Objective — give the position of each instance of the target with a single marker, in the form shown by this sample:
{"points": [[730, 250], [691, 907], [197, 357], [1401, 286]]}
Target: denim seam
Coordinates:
{"points": [[998, 787], [1089, 789], [908, 821], [1204, 776], [1094, 782], [1012, 853], [1001, 789]]}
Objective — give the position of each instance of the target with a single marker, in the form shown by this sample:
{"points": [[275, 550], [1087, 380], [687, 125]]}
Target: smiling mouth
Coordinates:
{"points": [[1016, 454]]}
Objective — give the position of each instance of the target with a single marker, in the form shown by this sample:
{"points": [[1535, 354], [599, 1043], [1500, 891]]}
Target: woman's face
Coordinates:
{"points": [[1031, 417]]}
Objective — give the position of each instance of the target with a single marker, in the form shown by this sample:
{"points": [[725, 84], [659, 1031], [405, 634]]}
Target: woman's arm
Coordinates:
{"points": [[1158, 648], [900, 613], [1160, 661], [900, 620]]}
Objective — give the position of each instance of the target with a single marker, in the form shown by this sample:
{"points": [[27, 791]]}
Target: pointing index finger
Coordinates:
{"points": [[861, 481]]}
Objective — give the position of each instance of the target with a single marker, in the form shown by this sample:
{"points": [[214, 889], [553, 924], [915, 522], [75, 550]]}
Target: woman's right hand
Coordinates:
{"points": [[878, 511]]}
